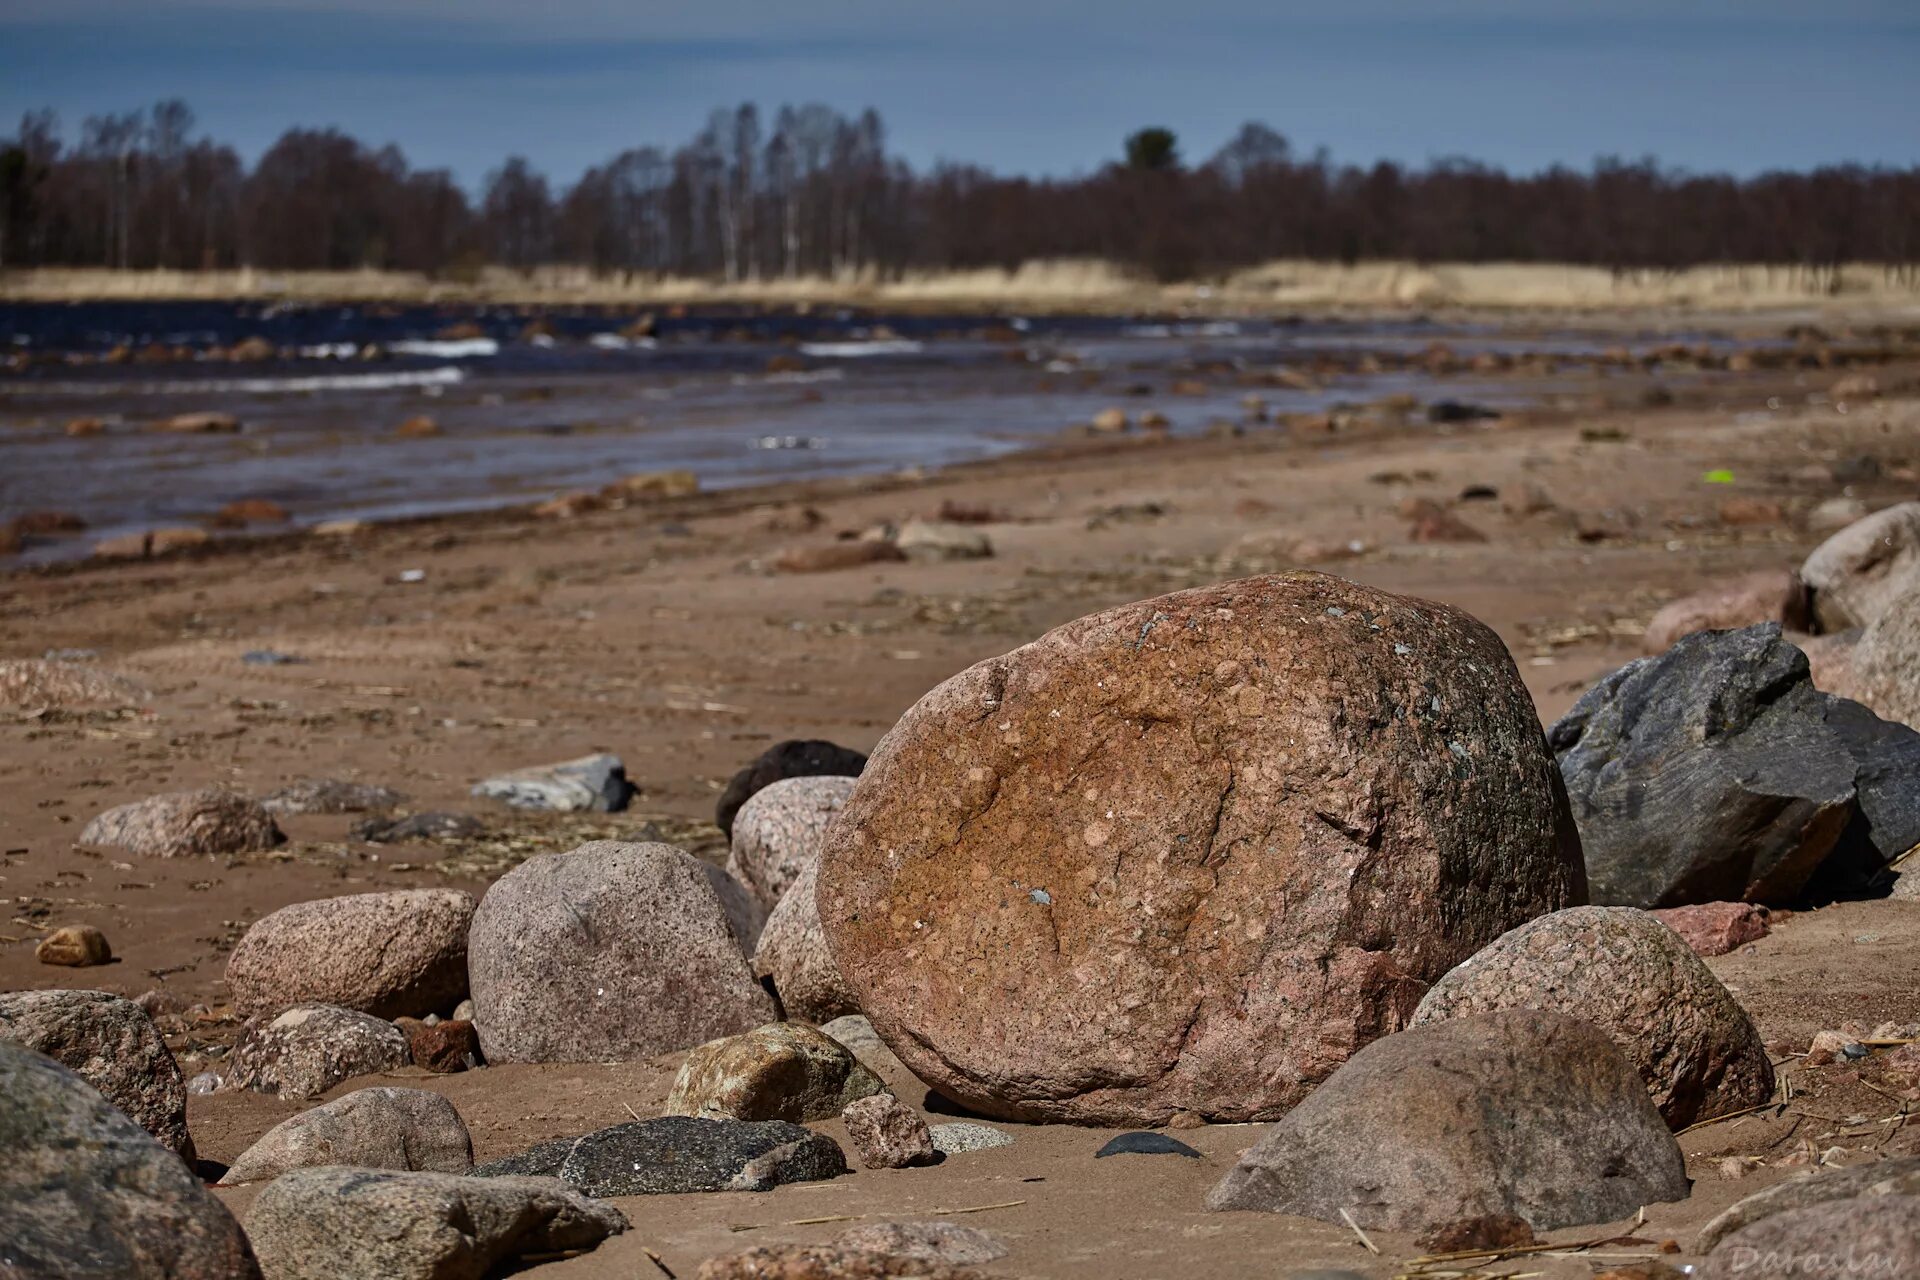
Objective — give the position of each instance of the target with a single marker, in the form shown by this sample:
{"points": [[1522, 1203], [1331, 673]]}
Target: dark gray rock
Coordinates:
{"points": [[85, 1193], [675, 1154], [1143, 1143], [1527, 1114], [333, 1223], [1717, 772], [419, 826], [596, 784], [542, 1160], [114, 1046], [794, 758]]}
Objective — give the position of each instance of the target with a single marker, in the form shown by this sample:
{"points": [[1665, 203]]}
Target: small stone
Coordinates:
{"points": [[77, 946], [675, 1154], [85, 1193], [858, 1034], [1143, 1143], [33, 683], [399, 952], [331, 1223], [655, 484], [331, 795], [942, 540], [379, 1128], [934, 1241], [782, 1071], [199, 423], [205, 1083], [596, 784], [441, 1047], [887, 1134], [418, 427], [182, 824], [114, 1046], [1716, 928], [794, 758], [463, 1012], [956, 1136], [312, 1047], [1829, 1047]]}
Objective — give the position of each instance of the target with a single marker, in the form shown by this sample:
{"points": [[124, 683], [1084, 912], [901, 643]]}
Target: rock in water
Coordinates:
{"points": [[1717, 772], [1529, 1114], [85, 1193], [592, 783], [311, 1048], [1638, 981], [613, 952], [1771, 595], [1840, 1240], [114, 1047], [1896, 1177], [1189, 854], [794, 758], [887, 1133], [402, 952], [778, 833], [782, 1071], [1860, 571], [368, 1129], [185, 823], [334, 1223], [675, 1154], [794, 954]]}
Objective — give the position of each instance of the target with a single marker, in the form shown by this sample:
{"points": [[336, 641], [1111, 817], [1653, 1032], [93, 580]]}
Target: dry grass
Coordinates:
{"points": [[1065, 285]]}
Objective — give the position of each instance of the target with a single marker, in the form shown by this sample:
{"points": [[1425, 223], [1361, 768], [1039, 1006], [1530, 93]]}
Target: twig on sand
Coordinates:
{"points": [[980, 1208], [654, 1258], [1367, 1243], [855, 1217], [1731, 1115]]}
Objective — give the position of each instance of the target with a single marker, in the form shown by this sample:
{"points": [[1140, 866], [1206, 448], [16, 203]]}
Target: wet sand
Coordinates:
{"points": [[660, 632]]}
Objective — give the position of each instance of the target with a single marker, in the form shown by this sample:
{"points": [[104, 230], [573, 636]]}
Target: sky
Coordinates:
{"points": [[1020, 86]]}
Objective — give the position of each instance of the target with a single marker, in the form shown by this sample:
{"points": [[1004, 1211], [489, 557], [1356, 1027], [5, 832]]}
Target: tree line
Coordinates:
{"points": [[811, 192]]}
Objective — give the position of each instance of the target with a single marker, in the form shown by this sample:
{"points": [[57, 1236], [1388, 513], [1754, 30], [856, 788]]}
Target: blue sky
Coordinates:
{"points": [[1036, 87]]}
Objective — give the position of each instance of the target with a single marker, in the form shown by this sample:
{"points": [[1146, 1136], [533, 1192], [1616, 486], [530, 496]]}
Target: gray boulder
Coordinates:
{"points": [[1526, 1114], [1839, 1240], [182, 824], [85, 1193], [1897, 1177], [793, 952], [331, 795], [393, 954], [114, 1047], [1637, 980], [1886, 661], [778, 833], [1861, 570], [613, 952], [675, 1154], [1717, 772], [310, 1048], [333, 1223], [378, 1128], [595, 784]]}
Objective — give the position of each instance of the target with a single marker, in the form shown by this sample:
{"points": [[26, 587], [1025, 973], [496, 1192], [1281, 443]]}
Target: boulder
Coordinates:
{"points": [[1886, 661], [778, 833], [1839, 1240], [933, 1241], [76, 946], [613, 952], [1717, 772], [827, 1262], [675, 1154], [942, 540], [1771, 595], [86, 1193], [332, 1223], [1899, 1176], [782, 1071], [312, 1047], [181, 824], [1523, 1113], [1715, 928], [32, 683], [887, 1133], [367, 1129], [1191, 853], [1637, 980], [399, 952], [331, 795], [793, 953], [794, 758], [113, 1045], [596, 784], [1855, 574]]}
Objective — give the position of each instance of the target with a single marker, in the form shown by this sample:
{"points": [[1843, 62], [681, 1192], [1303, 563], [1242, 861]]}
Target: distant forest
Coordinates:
{"points": [[812, 192]]}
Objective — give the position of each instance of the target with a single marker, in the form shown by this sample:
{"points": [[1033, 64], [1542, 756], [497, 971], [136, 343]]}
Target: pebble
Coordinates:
{"points": [[963, 1135], [1142, 1143], [76, 946]]}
